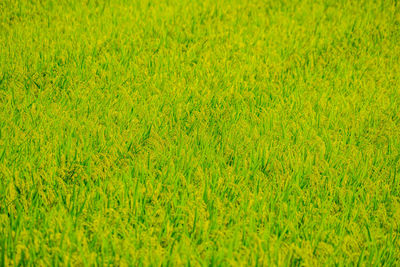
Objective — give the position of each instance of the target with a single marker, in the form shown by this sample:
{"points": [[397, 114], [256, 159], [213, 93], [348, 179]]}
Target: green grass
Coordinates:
{"points": [[179, 132]]}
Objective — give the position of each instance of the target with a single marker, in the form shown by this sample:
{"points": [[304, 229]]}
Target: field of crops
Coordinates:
{"points": [[199, 132]]}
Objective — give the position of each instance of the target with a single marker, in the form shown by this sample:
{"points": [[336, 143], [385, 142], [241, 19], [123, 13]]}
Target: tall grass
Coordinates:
{"points": [[204, 133]]}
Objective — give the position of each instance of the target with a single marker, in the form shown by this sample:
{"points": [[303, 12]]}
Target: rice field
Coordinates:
{"points": [[199, 133]]}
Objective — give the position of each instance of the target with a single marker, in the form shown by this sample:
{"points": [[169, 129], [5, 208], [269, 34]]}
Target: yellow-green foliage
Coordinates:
{"points": [[204, 132]]}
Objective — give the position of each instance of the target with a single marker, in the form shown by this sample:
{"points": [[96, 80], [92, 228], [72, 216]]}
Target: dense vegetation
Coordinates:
{"points": [[196, 132]]}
